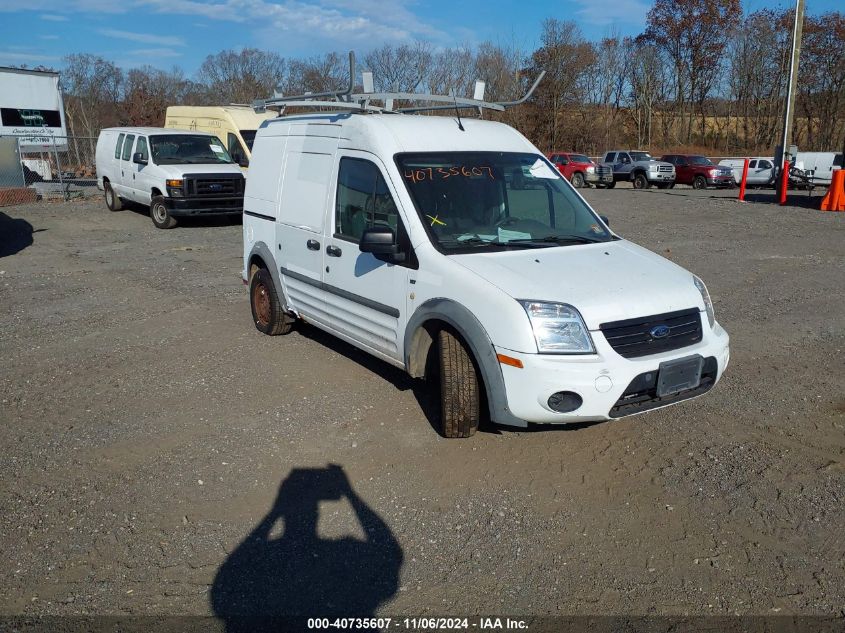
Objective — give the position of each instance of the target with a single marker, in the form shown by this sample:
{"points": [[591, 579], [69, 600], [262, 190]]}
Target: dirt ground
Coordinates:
{"points": [[161, 456]]}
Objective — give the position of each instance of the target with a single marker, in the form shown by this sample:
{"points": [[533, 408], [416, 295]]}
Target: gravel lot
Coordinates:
{"points": [[160, 456]]}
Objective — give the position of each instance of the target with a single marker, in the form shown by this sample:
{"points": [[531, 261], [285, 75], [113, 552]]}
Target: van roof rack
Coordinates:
{"points": [[347, 99]]}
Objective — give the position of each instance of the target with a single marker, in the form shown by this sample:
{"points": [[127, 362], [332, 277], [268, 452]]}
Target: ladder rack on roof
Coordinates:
{"points": [[347, 99]]}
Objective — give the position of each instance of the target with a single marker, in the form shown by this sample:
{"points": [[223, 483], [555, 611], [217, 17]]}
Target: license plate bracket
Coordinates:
{"points": [[674, 376]]}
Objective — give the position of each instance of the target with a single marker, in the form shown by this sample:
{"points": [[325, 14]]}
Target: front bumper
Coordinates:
{"points": [[660, 176], [721, 181], [598, 178], [600, 379], [205, 206]]}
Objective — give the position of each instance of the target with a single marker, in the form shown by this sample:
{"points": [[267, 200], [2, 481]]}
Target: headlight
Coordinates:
{"points": [[652, 167], [558, 328], [708, 304], [591, 169]]}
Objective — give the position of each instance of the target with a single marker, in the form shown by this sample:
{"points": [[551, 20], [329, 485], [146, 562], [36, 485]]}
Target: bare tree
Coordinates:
{"points": [[822, 81], [693, 33], [242, 76], [317, 74], [93, 88], [148, 93], [564, 56], [399, 68]]}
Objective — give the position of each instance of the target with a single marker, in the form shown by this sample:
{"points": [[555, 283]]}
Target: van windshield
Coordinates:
{"points": [[187, 149], [496, 200]]}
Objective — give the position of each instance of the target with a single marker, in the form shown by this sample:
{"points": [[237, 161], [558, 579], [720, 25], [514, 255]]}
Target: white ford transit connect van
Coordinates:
{"points": [[174, 172], [456, 250]]}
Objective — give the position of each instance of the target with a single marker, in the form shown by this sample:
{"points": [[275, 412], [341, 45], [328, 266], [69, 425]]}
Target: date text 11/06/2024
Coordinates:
{"points": [[417, 624]]}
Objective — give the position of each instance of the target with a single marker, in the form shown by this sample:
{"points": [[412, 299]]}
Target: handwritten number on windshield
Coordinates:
{"points": [[443, 173]]}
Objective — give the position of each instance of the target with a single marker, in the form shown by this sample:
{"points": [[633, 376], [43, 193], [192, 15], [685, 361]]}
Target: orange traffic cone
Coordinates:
{"points": [[834, 199]]}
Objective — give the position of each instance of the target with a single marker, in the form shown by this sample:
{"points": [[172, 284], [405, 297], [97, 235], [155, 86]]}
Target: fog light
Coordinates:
{"points": [[564, 401]]}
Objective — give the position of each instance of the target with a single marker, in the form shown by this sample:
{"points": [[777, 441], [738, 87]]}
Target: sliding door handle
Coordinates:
{"points": [[313, 245]]}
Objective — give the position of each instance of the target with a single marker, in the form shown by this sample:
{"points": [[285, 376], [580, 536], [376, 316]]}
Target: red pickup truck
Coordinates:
{"points": [[699, 171], [580, 170]]}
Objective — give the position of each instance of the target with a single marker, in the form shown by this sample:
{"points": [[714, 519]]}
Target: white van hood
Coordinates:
{"points": [[606, 282], [177, 171]]}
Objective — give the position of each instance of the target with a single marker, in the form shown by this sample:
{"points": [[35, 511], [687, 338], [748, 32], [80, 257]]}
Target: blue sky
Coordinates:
{"points": [[182, 32]]}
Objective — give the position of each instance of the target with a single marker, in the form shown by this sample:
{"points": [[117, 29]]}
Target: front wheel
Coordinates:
{"points": [[268, 313], [113, 201], [577, 180], [699, 183], [160, 214], [460, 406], [640, 181]]}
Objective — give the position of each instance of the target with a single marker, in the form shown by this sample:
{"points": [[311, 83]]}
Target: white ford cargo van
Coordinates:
{"points": [[175, 173], [455, 250]]}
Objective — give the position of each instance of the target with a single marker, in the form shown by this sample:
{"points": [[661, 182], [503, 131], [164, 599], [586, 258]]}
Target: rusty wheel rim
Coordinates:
{"points": [[261, 303]]}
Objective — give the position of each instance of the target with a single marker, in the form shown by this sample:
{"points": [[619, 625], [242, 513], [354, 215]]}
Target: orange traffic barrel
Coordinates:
{"points": [[834, 199]]}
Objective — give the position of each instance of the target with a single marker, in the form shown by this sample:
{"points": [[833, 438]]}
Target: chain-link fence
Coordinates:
{"points": [[43, 168]]}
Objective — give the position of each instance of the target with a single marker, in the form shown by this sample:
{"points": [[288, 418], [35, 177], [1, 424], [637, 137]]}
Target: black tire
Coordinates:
{"points": [[113, 201], [611, 185], [577, 180], [160, 214], [699, 182], [460, 406], [641, 182], [663, 185], [268, 313]]}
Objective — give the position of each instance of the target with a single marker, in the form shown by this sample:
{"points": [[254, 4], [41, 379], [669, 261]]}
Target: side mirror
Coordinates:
{"points": [[138, 157], [242, 161], [381, 242], [605, 220]]}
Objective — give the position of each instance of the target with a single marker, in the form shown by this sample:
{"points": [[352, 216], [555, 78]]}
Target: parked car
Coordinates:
{"points": [[235, 126], [699, 171], [761, 171], [173, 172], [639, 168], [580, 170], [459, 254]]}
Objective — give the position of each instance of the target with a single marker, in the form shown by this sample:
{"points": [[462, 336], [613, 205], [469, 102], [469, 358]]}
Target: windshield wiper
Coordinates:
{"points": [[556, 239]]}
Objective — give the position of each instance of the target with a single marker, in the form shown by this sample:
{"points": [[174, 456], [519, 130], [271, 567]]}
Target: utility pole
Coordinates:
{"points": [[788, 115]]}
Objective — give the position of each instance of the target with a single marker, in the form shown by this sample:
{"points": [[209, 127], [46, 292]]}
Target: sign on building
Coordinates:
{"points": [[31, 108]]}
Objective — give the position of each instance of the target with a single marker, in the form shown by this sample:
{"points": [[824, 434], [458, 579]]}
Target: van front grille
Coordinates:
{"points": [[667, 168], [640, 337], [223, 185]]}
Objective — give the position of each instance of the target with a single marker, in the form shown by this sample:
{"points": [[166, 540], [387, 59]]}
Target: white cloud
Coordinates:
{"points": [[11, 57], [154, 52], [627, 12], [143, 38], [54, 17]]}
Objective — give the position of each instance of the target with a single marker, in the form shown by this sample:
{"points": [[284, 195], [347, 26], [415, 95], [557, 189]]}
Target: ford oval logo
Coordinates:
{"points": [[215, 186], [659, 331]]}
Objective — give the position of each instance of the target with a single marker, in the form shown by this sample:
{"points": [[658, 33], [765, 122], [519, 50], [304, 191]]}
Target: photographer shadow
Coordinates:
{"points": [[271, 583]]}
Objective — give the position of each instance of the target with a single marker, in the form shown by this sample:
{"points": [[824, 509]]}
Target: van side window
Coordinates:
{"points": [[236, 150], [363, 199], [837, 160], [127, 147], [141, 147], [764, 164], [119, 145], [752, 164], [611, 156]]}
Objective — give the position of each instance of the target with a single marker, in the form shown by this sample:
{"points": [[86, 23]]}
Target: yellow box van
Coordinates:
{"points": [[235, 126]]}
